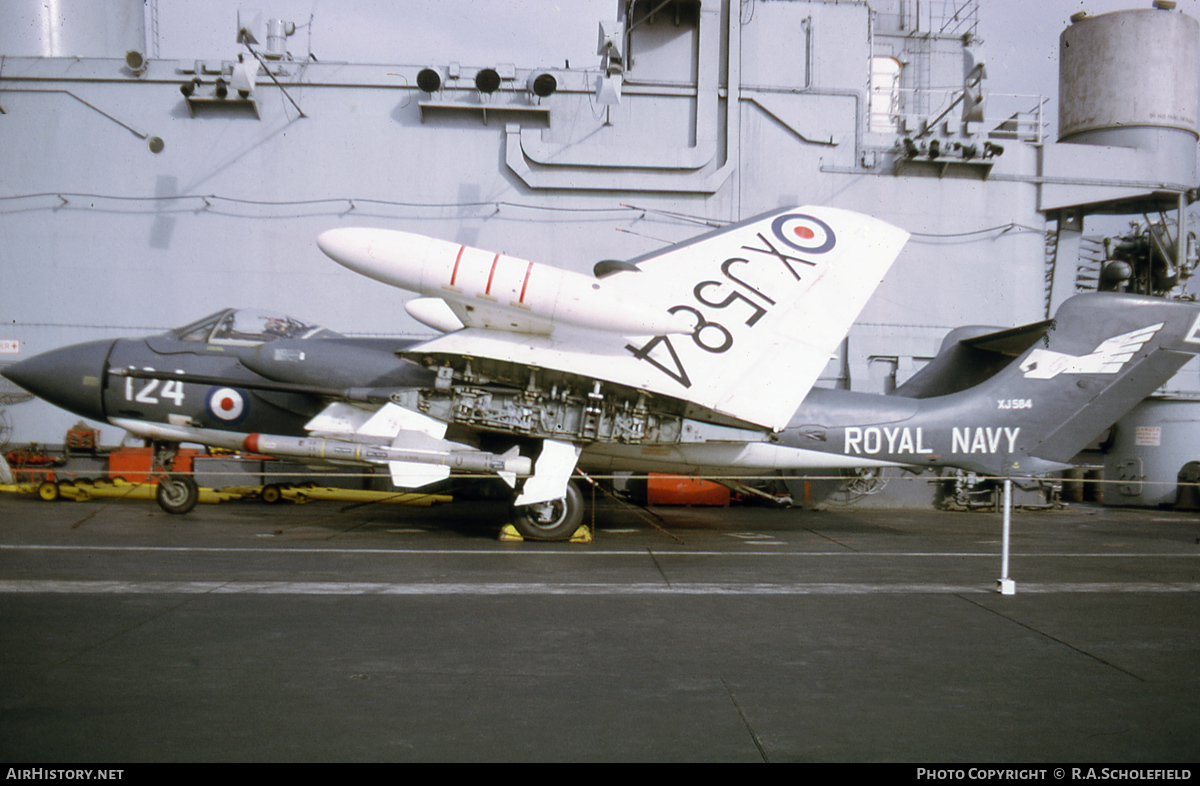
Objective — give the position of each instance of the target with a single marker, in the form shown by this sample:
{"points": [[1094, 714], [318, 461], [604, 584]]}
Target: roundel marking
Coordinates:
{"points": [[805, 233], [227, 404]]}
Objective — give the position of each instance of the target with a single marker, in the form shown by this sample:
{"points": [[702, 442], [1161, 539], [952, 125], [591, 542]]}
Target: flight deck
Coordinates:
{"points": [[340, 631]]}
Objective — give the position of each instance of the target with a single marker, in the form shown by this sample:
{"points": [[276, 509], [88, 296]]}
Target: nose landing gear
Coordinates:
{"points": [[176, 494]]}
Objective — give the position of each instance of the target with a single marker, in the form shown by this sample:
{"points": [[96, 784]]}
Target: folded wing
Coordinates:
{"points": [[765, 304]]}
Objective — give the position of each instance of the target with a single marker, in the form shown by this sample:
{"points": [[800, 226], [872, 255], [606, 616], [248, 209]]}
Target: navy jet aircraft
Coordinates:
{"points": [[700, 359]]}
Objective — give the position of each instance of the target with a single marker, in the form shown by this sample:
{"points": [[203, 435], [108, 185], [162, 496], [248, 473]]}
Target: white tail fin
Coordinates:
{"points": [[769, 301]]}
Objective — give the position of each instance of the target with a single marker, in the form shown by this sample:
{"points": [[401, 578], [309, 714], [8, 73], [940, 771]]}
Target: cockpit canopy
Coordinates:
{"points": [[248, 327]]}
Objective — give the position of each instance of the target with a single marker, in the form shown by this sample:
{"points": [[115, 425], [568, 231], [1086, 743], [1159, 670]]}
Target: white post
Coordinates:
{"points": [[1006, 585]]}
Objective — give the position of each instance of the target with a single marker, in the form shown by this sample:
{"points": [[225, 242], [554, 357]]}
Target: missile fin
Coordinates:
{"points": [[434, 312], [338, 418], [414, 475], [392, 419], [509, 456]]}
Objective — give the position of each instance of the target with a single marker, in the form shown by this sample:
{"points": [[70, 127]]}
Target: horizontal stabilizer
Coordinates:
{"points": [[1011, 342], [969, 355]]}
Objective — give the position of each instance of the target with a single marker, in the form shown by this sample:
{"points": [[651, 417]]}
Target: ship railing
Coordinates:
{"points": [[1006, 116], [934, 18]]}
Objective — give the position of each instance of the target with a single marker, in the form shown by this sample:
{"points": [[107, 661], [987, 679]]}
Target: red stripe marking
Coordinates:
{"points": [[457, 259], [492, 273], [525, 283]]}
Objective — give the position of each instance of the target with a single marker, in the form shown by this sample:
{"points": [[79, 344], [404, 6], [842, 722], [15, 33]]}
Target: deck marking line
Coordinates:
{"points": [[39, 586]]}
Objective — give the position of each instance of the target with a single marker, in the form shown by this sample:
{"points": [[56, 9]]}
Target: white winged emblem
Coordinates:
{"points": [[1107, 358]]}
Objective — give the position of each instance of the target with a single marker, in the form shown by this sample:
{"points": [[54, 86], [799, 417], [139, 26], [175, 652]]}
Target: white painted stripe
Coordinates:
{"points": [[559, 588], [545, 550]]}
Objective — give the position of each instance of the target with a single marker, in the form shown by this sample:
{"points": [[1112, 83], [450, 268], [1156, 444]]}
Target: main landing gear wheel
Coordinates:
{"points": [[177, 494], [554, 520]]}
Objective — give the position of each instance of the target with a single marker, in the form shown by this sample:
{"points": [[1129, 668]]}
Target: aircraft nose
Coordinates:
{"points": [[70, 377]]}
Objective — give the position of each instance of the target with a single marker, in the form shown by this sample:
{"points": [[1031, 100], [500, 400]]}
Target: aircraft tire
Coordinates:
{"points": [[554, 520], [177, 494], [271, 494]]}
